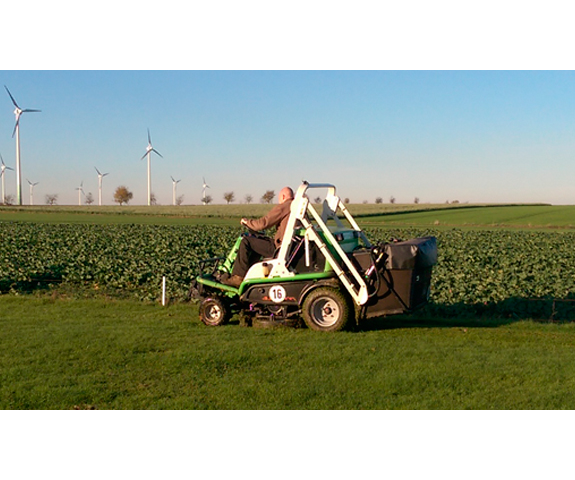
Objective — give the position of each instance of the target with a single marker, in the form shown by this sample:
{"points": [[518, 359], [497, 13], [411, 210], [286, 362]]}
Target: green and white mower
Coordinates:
{"points": [[325, 272]]}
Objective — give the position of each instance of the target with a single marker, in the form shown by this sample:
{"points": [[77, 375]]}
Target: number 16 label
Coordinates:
{"points": [[277, 293]]}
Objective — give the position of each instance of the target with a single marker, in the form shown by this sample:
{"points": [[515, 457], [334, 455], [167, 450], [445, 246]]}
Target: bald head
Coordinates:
{"points": [[285, 194]]}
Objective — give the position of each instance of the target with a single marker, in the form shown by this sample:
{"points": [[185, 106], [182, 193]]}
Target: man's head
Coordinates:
{"points": [[285, 194]]}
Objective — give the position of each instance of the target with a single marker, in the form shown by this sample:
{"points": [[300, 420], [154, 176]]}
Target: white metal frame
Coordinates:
{"points": [[303, 212]]}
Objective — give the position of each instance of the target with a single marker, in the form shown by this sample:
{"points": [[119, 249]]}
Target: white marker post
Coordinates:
{"points": [[163, 291]]}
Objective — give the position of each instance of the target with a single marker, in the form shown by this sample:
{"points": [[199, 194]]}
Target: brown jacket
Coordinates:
{"points": [[278, 216]]}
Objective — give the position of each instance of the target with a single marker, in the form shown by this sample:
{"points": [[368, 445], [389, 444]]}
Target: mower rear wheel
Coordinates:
{"points": [[327, 310], [214, 312]]}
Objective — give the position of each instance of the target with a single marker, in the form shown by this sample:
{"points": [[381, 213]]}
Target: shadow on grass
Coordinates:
{"points": [[52, 275], [479, 315]]}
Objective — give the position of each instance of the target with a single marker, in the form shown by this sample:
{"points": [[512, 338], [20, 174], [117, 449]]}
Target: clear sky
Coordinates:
{"points": [[472, 136]]}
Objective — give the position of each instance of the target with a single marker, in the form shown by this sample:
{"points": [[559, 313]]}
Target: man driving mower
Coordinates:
{"points": [[254, 245]]}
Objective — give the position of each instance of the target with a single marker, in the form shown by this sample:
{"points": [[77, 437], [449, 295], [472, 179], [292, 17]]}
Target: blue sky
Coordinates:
{"points": [[472, 136]]}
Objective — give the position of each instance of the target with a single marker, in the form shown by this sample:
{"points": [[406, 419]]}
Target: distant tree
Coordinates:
{"points": [[416, 200], [9, 199], [346, 200], [52, 199], [392, 199], [249, 199], [207, 200], [122, 195], [455, 201], [317, 200], [153, 199], [379, 200], [268, 196], [229, 197], [89, 199], [179, 200], [365, 202]]}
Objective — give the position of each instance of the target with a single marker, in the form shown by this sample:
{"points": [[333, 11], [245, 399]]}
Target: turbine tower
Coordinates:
{"points": [[174, 183], [100, 176], [32, 185], [149, 150], [205, 185], [4, 168], [80, 192], [18, 111]]}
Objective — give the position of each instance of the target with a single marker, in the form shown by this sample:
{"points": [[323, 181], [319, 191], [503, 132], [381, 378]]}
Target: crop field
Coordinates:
{"points": [[371, 214], [82, 325], [478, 270], [524, 216]]}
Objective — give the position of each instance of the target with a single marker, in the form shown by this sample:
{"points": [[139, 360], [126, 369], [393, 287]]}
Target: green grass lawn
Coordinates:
{"points": [[519, 216], [514, 216], [66, 354]]}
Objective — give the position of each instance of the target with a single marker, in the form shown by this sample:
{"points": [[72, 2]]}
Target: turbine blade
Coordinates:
{"points": [[98, 171], [154, 150], [104, 174], [149, 138], [16, 126], [13, 101], [30, 110], [144, 156]]}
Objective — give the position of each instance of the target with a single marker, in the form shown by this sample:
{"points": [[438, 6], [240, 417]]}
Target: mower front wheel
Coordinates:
{"points": [[214, 312], [327, 310]]}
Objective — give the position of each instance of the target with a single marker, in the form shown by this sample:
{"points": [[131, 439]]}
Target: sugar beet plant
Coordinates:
{"points": [[496, 270], [124, 260]]}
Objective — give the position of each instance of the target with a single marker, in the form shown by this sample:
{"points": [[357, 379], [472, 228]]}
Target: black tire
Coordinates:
{"points": [[327, 309], [214, 312]]}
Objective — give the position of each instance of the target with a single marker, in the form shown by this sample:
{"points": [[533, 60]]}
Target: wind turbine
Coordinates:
{"points": [[149, 150], [100, 176], [174, 183], [32, 185], [4, 168], [18, 111], [205, 185], [80, 192]]}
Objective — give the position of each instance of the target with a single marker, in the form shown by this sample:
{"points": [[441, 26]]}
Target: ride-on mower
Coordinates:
{"points": [[325, 271]]}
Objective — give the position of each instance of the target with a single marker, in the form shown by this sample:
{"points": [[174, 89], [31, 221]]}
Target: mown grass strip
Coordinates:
{"points": [[66, 354]]}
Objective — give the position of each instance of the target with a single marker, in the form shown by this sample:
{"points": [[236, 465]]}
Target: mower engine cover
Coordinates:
{"points": [[418, 253]]}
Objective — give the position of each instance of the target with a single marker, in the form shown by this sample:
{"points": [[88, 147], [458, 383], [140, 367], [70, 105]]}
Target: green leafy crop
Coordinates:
{"points": [[475, 268]]}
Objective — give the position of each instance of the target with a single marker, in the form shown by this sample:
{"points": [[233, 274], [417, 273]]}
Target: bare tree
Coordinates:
{"points": [[249, 199], [392, 199], [51, 199], [207, 199], [229, 197], [179, 200], [9, 199], [416, 200], [317, 200], [89, 199], [122, 195], [268, 196], [153, 199], [379, 200], [346, 200]]}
